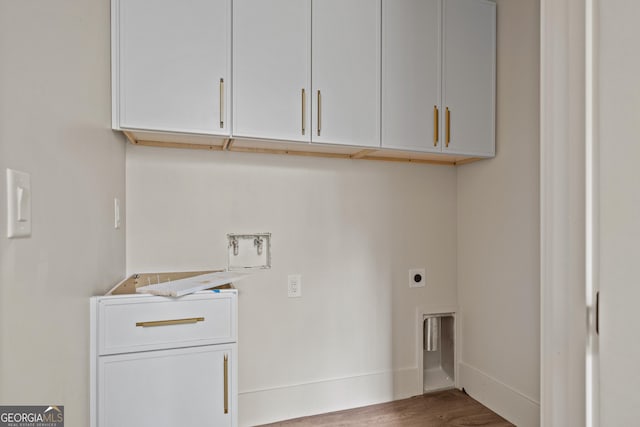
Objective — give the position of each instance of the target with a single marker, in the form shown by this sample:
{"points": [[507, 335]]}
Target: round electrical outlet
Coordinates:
{"points": [[417, 278]]}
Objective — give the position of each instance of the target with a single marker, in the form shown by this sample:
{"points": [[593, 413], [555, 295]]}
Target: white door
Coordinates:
{"points": [[411, 74], [617, 177], [600, 157], [272, 69], [468, 85], [173, 65], [166, 388], [346, 72]]}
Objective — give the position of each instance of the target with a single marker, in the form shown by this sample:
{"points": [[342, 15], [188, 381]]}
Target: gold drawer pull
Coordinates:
{"points": [[170, 322], [226, 384]]}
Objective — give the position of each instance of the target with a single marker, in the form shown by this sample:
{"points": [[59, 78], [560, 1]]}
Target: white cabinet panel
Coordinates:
{"points": [[411, 74], [168, 388], [171, 65], [468, 90], [272, 66], [346, 72]]}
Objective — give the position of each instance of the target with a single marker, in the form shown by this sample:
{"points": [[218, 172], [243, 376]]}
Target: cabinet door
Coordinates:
{"points": [[167, 388], [172, 65], [411, 74], [346, 72], [272, 68], [469, 77]]}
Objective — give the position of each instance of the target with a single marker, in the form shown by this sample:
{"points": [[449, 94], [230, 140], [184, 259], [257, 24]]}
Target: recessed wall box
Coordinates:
{"points": [[249, 251], [439, 358]]}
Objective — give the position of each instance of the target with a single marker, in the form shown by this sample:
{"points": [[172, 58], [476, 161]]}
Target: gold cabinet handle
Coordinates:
{"points": [[435, 126], [170, 322], [319, 112], [598, 313], [226, 384], [221, 103], [304, 110], [448, 118]]}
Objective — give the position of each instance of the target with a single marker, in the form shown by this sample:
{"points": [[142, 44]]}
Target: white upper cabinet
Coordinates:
{"points": [[438, 70], [272, 69], [411, 52], [346, 72], [171, 65], [411, 75], [282, 91], [468, 73]]}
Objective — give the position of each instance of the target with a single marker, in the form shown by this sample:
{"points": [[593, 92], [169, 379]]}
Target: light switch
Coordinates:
{"points": [[116, 213], [18, 204]]}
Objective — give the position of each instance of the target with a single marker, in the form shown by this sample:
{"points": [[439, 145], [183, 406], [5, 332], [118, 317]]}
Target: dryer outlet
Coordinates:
{"points": [[417, 278]]}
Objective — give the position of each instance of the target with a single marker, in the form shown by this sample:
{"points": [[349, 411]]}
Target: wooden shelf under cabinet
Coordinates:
{"points": [[211, 143]]}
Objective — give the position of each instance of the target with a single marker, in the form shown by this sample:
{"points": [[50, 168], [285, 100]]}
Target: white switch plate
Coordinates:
{"points": [[417, 278], [294, 288], [18, 204]]}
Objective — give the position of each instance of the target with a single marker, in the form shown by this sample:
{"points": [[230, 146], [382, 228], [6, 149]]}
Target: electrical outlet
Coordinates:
{"points": [[294, 288], [417, 278]]}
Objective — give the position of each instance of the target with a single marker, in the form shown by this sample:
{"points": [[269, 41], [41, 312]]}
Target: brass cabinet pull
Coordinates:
{"points": [[319, 112], [221, 103], [226, 384], [448, 126], [170, 322], [435, 126], [304, 110]]}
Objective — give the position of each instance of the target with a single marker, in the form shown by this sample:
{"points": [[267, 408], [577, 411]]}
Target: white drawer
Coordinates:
{"points": [[140, 323]]}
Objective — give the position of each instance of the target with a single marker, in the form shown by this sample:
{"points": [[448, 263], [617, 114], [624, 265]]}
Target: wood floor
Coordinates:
{"points": [[442, 409]]}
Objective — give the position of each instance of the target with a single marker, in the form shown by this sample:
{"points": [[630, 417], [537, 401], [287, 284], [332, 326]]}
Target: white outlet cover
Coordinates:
{"points": [[414, 275], [294, 286]]}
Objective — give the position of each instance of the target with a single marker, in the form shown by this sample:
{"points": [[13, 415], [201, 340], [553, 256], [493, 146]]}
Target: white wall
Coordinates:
{"points": [[498, 234], [352, 229], [54, 124], [619, 206]]}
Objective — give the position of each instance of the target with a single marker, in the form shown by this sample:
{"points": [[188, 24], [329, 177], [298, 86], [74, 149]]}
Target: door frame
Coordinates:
{"points": [[568, 212]]}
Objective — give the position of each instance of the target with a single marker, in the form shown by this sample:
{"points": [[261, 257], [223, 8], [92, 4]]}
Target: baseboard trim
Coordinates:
{"points": [[509, 403], [279, 403]]}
